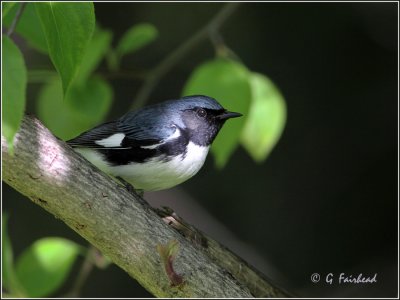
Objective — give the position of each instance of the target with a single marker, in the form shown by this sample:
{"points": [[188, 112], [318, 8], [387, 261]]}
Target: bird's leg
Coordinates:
{"points": [[170, 217], [187, 230]]}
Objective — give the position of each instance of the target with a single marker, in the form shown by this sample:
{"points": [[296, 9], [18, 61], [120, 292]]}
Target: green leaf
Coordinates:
{"points": [[43, 267], [28, 27], [91, 101], [135, 38], [68, 28], [226, 81], [6, 253], [266, 118], [6, 8], [112, 60], [14, 79], [95, 52], [83, 107], [10, 281]]}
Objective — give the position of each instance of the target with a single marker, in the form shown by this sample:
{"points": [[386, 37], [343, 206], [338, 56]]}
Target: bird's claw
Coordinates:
{"points": [[169, 216]]}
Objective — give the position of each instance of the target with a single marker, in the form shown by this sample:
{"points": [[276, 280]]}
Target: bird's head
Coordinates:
{"points": [[202, 118]]}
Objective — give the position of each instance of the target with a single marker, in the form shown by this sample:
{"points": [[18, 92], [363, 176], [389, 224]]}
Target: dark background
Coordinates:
{"points": [[325, 200]]}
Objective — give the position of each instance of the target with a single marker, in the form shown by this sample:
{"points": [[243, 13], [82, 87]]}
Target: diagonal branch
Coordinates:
{"points": [[169, 61], [16, 19], [120, 224]]}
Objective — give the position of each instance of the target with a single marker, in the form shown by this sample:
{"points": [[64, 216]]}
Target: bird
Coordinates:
{"points": [[158, 146]]}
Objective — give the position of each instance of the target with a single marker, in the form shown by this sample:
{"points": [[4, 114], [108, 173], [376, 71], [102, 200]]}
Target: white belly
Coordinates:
{"points": [[154, 175]]}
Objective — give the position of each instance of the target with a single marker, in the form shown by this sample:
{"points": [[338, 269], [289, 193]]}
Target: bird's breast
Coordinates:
{"points": [[165, 171]]}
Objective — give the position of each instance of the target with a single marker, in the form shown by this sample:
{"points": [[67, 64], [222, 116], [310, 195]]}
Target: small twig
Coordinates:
{"points": [[44, 75], [181, 51], [134, 75], [86, 268], [216, 39], [16, 19], [221, 49]]}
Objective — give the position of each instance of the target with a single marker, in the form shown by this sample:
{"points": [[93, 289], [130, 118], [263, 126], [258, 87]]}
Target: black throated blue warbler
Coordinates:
{"points": [[158, 146]]}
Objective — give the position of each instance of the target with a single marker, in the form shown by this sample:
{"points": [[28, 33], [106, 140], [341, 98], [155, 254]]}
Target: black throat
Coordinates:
{"points": [[202, 130]]}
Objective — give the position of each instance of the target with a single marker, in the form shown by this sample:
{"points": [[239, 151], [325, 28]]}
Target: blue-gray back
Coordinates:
{"points": [[158, 121]]}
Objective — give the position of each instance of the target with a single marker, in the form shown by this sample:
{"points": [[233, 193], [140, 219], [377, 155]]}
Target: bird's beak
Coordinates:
{"points": [[228, 114]]}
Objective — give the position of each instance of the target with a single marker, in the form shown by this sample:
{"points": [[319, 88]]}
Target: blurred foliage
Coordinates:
{"points": [[14, 88], [266, 118], [10, 282], [28, 26], [84, 106], [6, 7], [97, 48], [136, 38], [87, 101], [41, 269]]}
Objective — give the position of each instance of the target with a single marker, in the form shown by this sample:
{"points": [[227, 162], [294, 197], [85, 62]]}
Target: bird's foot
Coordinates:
{"points": [[171, 218], [131, 189]]}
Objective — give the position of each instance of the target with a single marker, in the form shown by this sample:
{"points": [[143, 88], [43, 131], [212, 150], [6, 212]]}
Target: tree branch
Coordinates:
{"points": [[120, 224]]}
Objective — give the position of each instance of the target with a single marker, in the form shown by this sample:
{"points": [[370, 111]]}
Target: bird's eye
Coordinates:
{"points": [[201, 112]]}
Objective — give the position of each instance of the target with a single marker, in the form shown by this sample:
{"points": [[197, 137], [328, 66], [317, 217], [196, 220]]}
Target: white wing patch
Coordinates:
{"points": [[152, 146], [114, 140], [175, 135]]}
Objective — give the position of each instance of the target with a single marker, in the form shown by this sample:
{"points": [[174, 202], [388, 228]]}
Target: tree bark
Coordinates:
{"points": [[121, 224]]}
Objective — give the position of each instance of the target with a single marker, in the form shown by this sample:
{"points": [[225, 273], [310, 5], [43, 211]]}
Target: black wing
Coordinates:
{"points": [[89, 138], [146, 127]]}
